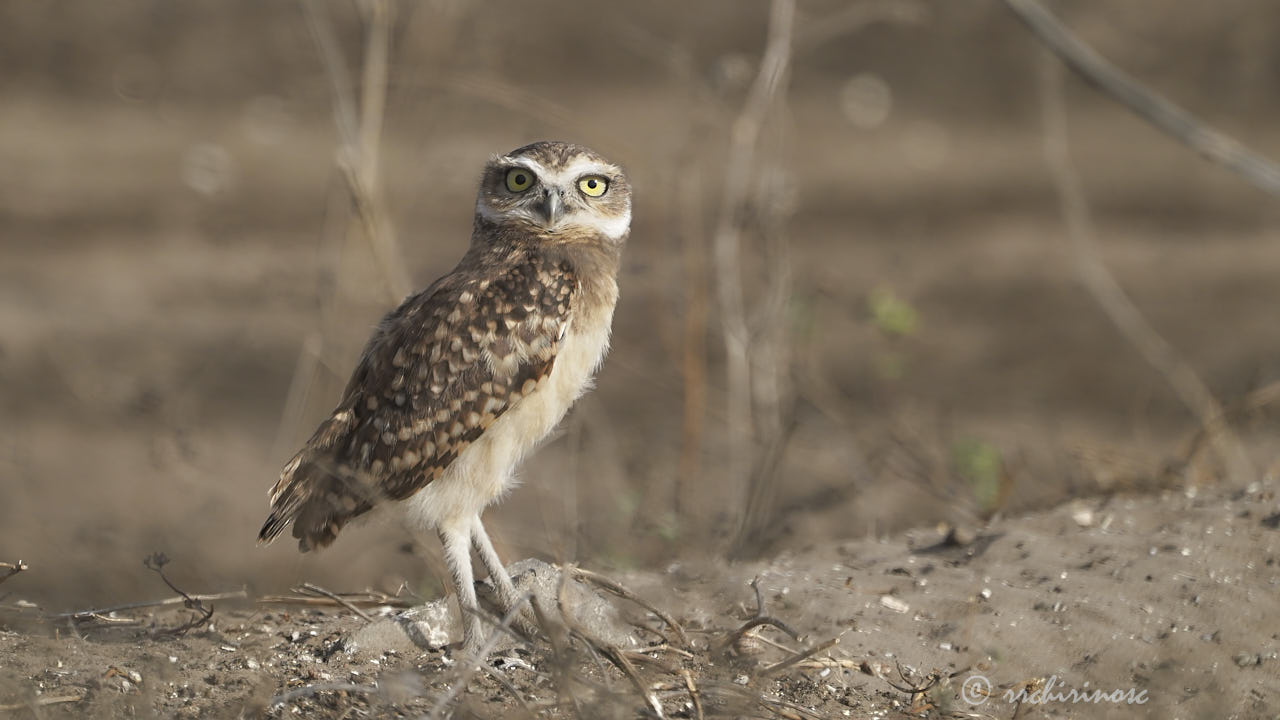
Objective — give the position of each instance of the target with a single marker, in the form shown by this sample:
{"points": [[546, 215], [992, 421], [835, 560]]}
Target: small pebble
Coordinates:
{"points": [[894, 604], [1245, 660]]}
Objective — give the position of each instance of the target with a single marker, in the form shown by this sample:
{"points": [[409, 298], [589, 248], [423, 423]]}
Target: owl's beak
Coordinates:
{"points": [[551, 207]]}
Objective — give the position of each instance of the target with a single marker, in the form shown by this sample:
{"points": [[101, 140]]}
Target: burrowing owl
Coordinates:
{"points": [[466, 377]]}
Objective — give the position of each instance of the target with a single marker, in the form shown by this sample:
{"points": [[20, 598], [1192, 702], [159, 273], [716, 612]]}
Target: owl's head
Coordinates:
{"points": [[558, 192]]}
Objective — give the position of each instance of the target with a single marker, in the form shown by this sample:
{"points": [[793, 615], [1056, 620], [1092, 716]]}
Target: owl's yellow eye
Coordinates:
{"points": [[593, 185], [519, 180]]}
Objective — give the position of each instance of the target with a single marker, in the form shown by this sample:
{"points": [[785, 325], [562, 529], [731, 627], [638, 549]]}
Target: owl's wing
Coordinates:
{"points": [[437, 373]]}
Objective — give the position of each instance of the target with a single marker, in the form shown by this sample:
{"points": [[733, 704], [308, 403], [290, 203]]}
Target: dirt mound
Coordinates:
{"points": [[1164, 604]]}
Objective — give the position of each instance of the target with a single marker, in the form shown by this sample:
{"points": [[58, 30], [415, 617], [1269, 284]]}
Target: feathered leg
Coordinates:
{"points": [[457, 553], [508, 596]]}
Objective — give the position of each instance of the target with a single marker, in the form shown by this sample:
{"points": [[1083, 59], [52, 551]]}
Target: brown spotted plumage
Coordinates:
{"points": [[464, 378], [437, 373]]}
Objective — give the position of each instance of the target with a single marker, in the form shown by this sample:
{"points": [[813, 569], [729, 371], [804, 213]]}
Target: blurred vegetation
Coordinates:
{"points": [[179, 246]]}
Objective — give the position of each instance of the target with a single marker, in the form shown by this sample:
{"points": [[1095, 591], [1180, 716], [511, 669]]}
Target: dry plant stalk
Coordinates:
{"points": [[468, 666], [368, 598], [311, 589], [359, 140], [42, 701], [621, 591], [1112, 298], [611, 652], [179, 600], [1173, 120], [748, 382], [11, 569]]}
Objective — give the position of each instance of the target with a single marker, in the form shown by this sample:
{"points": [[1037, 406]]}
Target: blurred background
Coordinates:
{"points": [[186, 277]]}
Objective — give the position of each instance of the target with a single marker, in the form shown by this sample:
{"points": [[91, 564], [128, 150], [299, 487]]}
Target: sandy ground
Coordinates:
{"points": [[1166, 599]]}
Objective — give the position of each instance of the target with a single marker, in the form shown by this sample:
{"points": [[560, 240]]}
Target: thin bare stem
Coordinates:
{"points": [[11, 569], [618, 589], [744, 138], [1112, 298], [316, 589], [753, 623], [180, 600], [693, 693], [42, 701], [359, 142], [469, 667], [800, 656], [1173, 120]]}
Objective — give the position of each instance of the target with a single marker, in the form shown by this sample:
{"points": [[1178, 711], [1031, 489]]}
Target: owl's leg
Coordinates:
{"points": [[457, 553], [508, 596]]}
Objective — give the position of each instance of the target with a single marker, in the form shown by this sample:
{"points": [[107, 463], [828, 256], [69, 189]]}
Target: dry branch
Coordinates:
{"points": [[1112, 298], [471, 665], [315, 589], [11, 569], [42, 701], [595, 645], [361, 599], [618, 589], [751, 624], [800, 656], [359, 138], [1173, 120], [180, 600], [744, 140], [693, 693]]}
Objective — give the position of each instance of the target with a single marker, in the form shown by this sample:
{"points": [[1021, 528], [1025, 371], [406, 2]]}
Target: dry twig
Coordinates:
{"points": [[693, 693], [468, 667], [621, 591], [359, 139], [1173, 120], [593, 644], [755, 622], [156, 562], [317, 590], [800, 656], [744, 137], [11, 569], [1112, 298], [366, 599], [42, 701]]}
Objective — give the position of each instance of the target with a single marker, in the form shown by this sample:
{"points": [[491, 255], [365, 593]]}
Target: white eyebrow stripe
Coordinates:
{"points": [[533, 165], [585, 166]]}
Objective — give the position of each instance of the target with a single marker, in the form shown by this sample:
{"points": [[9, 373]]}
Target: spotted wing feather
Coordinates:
{"points": [[437, 373]]}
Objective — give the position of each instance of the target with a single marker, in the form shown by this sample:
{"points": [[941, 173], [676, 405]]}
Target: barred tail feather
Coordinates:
{"points": [[311, 496]]}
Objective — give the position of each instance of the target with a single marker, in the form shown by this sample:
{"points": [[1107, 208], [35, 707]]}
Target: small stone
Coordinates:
{"points": [[894, 604], [1083, 517], [1246, 660]]}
